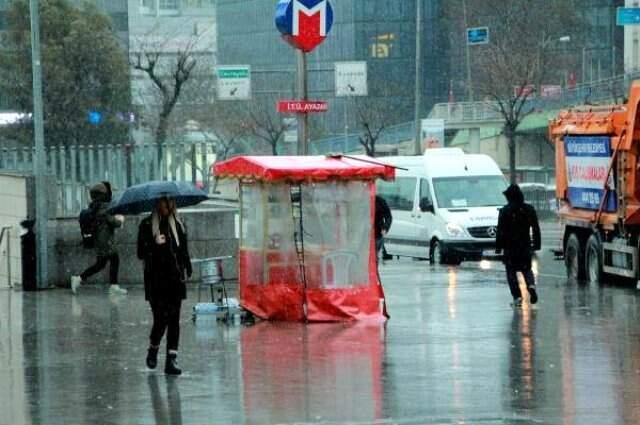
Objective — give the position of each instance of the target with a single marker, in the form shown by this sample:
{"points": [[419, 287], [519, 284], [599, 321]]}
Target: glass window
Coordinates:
{"points": [[469, 192], [425, 191], [169, 5], [147, 4], [399, 194]]}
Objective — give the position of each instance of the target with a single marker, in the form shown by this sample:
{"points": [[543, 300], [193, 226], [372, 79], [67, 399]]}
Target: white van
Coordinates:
{"points": [[445, 206]]}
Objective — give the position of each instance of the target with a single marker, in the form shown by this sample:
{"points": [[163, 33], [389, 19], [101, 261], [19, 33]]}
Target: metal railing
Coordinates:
{"points": [[470, 114], [6, 230], [75, 168], [467, 112]]}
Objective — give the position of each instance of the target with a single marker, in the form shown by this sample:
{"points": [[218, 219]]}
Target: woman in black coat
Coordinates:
{"points": [[163, 246]]}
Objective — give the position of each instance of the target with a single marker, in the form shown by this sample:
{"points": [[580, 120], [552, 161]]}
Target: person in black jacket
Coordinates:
{"points": [[105, 246], [382, 223], [163, 246], [518, 236]]}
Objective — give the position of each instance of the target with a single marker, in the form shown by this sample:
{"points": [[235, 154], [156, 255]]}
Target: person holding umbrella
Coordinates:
{"points": [[164, 249], [163, 246]]}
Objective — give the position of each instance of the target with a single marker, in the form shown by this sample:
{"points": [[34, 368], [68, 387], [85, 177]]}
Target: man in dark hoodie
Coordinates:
{"points": [[382, 224], [106, 252], [518, 236]]}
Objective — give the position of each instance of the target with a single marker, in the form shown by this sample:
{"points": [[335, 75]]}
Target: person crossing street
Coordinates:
{"points": [[518, 237]]}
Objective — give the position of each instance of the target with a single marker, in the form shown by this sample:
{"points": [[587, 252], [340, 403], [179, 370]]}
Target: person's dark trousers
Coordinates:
{"points": [[166, 317], [101, 263], [512, 278]]}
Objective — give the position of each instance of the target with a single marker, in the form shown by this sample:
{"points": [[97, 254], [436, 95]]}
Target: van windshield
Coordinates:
{"points": [[469, 191]]}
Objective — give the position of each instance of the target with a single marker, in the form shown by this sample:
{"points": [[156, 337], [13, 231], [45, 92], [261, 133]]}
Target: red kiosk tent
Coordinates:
{"points": [[307, 248]]}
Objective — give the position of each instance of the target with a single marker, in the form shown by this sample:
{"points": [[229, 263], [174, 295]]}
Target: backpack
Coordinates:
{"points": [[88, 227]]}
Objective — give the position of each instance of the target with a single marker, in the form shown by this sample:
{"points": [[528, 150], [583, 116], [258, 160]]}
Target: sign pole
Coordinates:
{"points": [[417, 145], [40, 163], [303, 95]]}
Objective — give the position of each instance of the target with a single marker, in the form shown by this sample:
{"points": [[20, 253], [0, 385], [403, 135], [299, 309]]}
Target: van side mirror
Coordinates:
{"points": [[426, 206]]}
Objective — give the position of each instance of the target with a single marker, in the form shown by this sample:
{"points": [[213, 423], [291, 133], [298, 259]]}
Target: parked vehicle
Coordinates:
{"points": [[597, 184], [445, 206], [542, 197]]}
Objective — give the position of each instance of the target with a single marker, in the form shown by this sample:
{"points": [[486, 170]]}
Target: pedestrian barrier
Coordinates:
{"points": [[76, 168]]}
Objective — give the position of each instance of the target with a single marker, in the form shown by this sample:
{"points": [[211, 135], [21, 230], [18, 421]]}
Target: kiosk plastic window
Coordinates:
{"points": [[337, 233]]}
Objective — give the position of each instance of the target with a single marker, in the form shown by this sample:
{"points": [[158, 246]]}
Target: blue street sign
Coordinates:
{"points": [[478, 35], [628, 16], [94, 117]]}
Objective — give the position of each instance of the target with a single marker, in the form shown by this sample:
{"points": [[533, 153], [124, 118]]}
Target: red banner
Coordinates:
{"points": [[301, 106]]}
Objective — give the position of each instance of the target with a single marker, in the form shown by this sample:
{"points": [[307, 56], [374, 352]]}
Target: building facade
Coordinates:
{"points": [[632, 42], [380, 32]]}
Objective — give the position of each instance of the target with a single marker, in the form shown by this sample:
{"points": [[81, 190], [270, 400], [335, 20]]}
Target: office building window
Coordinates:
{"points": [[169, 5], [147, 6]]}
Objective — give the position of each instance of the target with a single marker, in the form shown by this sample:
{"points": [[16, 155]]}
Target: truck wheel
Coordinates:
{"points": [[593, 260], [574, 258]]}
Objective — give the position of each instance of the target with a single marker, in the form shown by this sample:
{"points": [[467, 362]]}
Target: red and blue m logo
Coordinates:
{"points": [[304, 23]]}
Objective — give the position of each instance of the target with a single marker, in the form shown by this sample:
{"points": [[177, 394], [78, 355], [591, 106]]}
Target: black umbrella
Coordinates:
{"points": [[143, 197]]}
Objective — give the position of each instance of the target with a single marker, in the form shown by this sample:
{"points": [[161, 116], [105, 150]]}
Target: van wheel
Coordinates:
{"points": [[574, 258], [435, 253], [593, 260], [438, 257]]}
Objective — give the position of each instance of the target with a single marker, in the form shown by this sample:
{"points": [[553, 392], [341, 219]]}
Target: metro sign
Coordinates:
{"points": [[304, 23]]}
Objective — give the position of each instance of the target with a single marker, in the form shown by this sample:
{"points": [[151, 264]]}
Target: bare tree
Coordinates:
{"points": [[518, 60], [372, 120], [169, 64], [265, 124], [375, 113], [224, 124]]}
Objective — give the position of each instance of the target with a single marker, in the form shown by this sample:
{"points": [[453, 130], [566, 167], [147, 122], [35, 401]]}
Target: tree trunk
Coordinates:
{"points": [[510, 134], [274, 148], [161, 136]]}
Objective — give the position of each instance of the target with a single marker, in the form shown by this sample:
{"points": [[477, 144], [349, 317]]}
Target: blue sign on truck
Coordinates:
{"points": [[628, 16], [587, 162]]}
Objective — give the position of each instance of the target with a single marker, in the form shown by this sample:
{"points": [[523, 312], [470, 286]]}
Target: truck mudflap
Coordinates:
{"points": [[620, 259]]}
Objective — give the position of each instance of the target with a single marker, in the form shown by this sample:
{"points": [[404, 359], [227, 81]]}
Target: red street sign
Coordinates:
{"points": [[553, 92], [524, 91], [301, 106]]}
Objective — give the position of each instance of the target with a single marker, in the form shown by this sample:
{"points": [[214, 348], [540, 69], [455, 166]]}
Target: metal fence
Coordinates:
{"points": [[74, 169]]}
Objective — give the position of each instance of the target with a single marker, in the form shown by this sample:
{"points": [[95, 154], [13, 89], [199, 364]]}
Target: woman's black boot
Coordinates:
{"points": [[152, 357], [171, 366]]}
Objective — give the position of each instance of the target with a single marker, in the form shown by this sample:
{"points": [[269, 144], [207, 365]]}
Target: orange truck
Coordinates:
{"points": [[597, 181]]}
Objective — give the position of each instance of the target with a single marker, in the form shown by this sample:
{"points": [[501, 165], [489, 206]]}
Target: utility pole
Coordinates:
{"points": [[418, 85], [468, 53], [40, 163]]}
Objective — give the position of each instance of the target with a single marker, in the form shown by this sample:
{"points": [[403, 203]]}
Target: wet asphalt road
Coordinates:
{"points": [[454, 352]]}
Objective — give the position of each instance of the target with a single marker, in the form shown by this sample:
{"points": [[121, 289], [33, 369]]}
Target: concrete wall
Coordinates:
{"points": [[15, 206], [212, 233]]}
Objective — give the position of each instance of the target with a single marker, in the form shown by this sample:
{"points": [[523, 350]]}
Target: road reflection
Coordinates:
{"points": [[297, 372]]}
